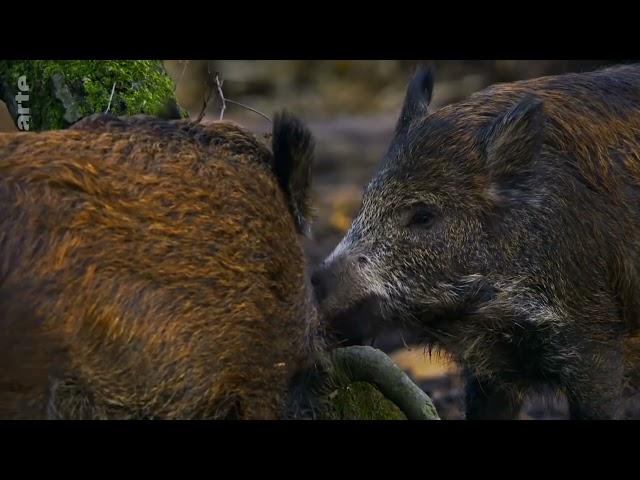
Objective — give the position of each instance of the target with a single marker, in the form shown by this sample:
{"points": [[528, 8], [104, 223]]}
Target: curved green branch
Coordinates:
{"points": [[367, 364]]}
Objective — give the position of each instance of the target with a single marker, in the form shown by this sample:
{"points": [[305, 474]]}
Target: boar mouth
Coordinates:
{"points": [[368, 323], [439, 319], [433, 321], [358, 324]]}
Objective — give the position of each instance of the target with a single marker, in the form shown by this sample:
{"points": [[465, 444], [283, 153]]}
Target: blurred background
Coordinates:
{"points": [[351, 107]]}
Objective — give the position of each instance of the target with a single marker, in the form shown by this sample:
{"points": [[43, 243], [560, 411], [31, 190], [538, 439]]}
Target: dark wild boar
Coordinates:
{"points": [[505, 229], [152, 269]]}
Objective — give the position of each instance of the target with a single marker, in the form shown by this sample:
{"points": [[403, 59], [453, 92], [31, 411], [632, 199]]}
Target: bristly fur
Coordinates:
{"points": [[293, 151], [149, 269], [533, 190]]}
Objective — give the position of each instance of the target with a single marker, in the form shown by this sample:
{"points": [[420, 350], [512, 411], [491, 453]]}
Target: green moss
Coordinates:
{"points": [[360, 401], [327, 392], [141, 86]]}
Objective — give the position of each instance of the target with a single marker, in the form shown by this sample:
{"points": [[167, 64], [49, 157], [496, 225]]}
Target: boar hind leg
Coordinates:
{"points": [[487, 401]]}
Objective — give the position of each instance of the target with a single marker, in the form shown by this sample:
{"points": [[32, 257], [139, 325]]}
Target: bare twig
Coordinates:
{"points": [[113, 89], [208, 97], [249, 108], [184, 69], [265, 116], [222, 99], [204, 106]]}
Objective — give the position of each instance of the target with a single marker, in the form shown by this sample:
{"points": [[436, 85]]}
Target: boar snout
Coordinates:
{"points": [[334, 284], [348, 310]]}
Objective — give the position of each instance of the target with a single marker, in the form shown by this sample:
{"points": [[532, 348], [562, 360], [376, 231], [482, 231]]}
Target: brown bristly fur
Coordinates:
{"points": [[148, 269]]}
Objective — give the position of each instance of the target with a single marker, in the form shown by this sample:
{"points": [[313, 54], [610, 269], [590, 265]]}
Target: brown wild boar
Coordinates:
{"points": [[505, 229], [152, 269]]}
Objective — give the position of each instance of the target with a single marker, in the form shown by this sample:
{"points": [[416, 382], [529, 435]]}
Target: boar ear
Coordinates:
{"points": [[513, 142], [293, 148], [417, 97]]}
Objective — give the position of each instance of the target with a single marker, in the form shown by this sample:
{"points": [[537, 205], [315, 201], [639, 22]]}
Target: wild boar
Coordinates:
{"points": [[153, 269], [505, 229]]}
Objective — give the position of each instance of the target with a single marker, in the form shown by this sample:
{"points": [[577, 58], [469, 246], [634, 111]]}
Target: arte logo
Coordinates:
{"points": [[23, 96]]}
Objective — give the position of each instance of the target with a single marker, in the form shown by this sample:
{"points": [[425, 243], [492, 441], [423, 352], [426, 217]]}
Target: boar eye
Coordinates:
{"points": [[420, 217]]}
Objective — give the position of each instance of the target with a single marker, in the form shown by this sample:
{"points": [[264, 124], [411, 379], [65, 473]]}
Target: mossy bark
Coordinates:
{"points": [[366, 364], [360, 401], [363, 383], [60, 92]]}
